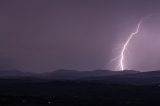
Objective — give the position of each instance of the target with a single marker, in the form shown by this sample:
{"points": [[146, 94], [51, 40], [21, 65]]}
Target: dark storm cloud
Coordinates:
{"points": [[44, 35]]}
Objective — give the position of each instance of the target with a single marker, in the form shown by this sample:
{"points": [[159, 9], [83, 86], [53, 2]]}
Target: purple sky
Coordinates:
{"points": [[45, 35]]}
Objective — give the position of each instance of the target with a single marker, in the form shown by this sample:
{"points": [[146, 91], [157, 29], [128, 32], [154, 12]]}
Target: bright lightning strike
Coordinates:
{"points": [[122, 66]]}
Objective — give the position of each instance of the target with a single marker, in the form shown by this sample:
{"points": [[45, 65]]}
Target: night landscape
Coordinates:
{"points": [[79, 52]]}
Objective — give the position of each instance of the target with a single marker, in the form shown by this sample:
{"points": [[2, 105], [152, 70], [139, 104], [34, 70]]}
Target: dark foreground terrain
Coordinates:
{"points": [[22, 92], [76, 88]]}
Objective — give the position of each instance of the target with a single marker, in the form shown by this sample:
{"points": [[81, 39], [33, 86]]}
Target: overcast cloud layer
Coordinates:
{"points": [[45, 35]]}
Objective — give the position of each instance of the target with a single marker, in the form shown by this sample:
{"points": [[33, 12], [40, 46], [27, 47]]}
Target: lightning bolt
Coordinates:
{"points": [[122, 55]]}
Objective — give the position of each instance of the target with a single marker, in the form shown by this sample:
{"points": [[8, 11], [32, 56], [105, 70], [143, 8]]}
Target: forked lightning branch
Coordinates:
{"points": [[122, 55]]}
